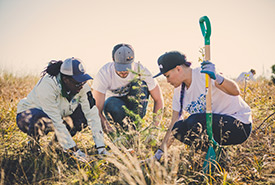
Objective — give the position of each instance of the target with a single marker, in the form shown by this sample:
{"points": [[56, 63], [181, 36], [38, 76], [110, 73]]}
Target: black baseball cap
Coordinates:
{"points": [[170, 60]]}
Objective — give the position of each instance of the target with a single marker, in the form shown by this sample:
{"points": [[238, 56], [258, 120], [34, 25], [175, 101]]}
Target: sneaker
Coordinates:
{"points": [[103, 151], [81, 156]]}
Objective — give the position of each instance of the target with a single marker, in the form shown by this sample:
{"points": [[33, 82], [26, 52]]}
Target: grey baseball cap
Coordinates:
{"points": [[123, 56], [73, 67]]}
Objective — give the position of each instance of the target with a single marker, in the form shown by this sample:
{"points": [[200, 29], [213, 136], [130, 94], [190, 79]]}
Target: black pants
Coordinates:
{"points": [[226, 129]]}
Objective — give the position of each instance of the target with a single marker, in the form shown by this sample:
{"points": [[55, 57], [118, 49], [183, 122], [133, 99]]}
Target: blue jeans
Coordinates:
{"points": [[226, 129], [113, 106], [36, 123]]}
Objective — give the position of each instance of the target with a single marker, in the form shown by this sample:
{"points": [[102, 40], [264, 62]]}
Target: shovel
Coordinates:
{"points": [[211, 157]]}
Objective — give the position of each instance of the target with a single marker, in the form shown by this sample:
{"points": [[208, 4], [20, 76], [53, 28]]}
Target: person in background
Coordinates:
{"points": [[116, 84], [62, 91], [246, 76], [232, 119]]}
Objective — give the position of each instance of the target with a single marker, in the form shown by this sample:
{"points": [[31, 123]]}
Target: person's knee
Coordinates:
{"points": [[22, 125], [177, 131], [113, 109], [176, 126], [187, 129], [112, 103]]}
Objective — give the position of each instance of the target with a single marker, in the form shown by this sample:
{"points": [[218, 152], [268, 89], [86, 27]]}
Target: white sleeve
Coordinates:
{"points": [[148, 78], [47, 97], [101, 81], [91, 113], [241, 77], [176, 99]]}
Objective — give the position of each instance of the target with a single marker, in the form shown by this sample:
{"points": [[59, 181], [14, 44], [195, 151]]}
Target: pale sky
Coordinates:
{"points": [[33, 32]]}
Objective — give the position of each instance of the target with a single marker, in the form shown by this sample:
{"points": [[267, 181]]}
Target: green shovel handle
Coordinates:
{"points": [[209, 121], [205, 29], [206, 32]]}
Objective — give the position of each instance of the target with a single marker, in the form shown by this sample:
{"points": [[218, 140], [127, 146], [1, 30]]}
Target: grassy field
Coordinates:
{"points": [[252, 162]]}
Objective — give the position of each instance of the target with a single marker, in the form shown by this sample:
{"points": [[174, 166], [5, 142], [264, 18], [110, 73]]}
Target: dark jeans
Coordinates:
{"points": [[113, 106], [36, 123], [226, 129]]}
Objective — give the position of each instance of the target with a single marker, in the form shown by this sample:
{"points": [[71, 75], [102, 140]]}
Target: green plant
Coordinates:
{"points": [[252, 162]]}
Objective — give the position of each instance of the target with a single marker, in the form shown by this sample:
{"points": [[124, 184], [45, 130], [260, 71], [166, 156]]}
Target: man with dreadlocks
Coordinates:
{"points": [[62, 91], [232, 120]]}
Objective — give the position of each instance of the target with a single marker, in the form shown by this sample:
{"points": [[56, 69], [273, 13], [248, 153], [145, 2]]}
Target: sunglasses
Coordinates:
{"points": [[75, 83]]}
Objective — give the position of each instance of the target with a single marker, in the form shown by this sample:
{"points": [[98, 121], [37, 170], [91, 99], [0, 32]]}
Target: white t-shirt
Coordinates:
{"points": [[245, 76], [108, 82], [194, 100]]}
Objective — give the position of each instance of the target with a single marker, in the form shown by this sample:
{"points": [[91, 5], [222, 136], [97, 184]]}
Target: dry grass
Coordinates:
{"points": [[251, 162]]}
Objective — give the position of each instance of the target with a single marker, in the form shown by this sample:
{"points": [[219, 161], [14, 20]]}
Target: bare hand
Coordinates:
{"points": [[107, 127]]}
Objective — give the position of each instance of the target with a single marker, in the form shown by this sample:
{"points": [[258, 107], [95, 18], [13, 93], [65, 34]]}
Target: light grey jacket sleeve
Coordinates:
{"points": [[48, 93], [92, 116]]}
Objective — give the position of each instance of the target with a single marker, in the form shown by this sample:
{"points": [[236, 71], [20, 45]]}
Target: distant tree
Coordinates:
{"points": [[273, 74]]}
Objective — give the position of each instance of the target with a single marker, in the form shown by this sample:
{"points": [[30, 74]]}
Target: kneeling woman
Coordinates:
{"points": [[232, 120], [62, 91]]}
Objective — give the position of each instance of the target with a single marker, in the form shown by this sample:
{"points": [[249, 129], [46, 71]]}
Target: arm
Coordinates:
{"points": [[90, 111], [229, 87], [222, 83], [47, 92], [96, 127], [168, 139], [100, 99], [158, 104]]}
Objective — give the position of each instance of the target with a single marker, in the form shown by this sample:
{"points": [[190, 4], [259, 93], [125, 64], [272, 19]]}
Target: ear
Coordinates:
{"points": [[178, 68]]}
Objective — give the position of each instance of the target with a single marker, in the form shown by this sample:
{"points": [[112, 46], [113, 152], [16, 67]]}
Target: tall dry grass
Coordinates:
{"points": [[250, 163]]}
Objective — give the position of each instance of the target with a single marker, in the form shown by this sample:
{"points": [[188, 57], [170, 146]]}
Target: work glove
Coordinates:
{"points": [[81, 156], [102, 151], [210, 69], [156, 157]]}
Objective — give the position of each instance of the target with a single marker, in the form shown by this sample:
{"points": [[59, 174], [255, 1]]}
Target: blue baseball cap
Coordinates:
{"points": [[73, 67]]}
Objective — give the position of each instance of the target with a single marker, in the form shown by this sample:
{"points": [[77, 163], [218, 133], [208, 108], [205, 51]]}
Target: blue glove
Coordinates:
{"points": [[210, 69]]}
